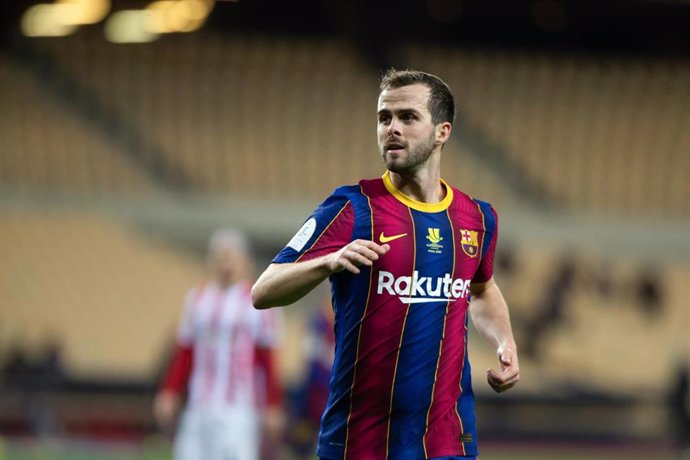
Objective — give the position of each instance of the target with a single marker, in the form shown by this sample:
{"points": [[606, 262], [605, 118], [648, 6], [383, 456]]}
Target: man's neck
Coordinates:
{"points": [[424, 186]]}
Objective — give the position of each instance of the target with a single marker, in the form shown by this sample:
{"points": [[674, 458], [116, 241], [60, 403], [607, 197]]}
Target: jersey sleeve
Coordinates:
{"points": [[486, 266], [328, 229], [179, 368]]}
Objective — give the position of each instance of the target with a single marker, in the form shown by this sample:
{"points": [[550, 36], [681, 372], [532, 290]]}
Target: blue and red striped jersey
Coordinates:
{"points": [[400, 386]]}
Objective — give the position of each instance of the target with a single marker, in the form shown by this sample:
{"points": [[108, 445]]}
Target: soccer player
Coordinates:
{"points": [[224, 361], [408, 256]]}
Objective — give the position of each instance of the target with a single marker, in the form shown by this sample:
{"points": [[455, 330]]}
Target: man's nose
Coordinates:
{"points": [[394, 127]]}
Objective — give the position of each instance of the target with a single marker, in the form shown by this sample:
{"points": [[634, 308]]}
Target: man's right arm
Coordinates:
{"points": [[286, 283]]}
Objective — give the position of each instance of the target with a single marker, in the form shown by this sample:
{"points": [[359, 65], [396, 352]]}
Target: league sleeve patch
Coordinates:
{"points": [[303, 235]]}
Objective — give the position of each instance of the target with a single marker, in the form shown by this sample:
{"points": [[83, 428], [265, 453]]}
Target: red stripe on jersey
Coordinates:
{"points": [[337, 234]]}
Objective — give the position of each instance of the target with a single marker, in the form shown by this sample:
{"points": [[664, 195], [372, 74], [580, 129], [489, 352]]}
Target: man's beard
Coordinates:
{"points": [[417, 156]]}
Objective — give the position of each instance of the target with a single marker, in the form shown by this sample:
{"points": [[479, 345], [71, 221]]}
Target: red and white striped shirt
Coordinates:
{"points": [[224, 349]]}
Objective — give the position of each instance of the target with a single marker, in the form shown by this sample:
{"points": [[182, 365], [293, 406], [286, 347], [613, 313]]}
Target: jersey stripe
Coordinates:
{"points": [[397, 355], [359, 334], [444, 424], [324, 231], [488, 226], [379, 340], [465, 404], [350, 299]]}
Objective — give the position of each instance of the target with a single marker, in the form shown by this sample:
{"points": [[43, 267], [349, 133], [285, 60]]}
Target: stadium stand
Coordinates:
{"points": [[251, 115], [46, 146], [244, 114], [598, 134], [240, 114], [110, 293]]}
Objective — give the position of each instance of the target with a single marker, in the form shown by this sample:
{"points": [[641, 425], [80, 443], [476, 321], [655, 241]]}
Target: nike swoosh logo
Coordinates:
{"points": [[385, 239]]}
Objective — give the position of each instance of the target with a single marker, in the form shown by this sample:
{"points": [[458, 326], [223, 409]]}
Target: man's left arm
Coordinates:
{"points": [[490, 316]]}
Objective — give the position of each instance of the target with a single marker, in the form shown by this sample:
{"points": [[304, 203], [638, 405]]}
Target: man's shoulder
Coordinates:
{"points": [[345, 190], [474, 206], [197, 291], [200, 286], [464, 198], [363, 186]]}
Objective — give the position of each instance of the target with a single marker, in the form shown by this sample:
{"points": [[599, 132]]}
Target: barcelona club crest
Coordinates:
{"points": [[468, 242]]}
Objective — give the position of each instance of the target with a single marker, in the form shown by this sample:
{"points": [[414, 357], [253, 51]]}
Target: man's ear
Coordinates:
{"points": [[443, 131]]}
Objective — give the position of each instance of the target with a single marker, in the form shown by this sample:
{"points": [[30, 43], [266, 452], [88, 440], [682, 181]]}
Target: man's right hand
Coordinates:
{"points": [[284, 283], [356, 254]]}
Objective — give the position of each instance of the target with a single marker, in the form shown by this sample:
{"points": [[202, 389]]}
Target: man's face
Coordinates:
{"points": [[227, 262], [406, 133]]}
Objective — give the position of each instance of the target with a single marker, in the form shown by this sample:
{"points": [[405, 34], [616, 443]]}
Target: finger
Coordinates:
{"points": [[506, 375], [380, 249], [509, 370], [493, 377], [502, 380], [499, 386], [493, 384], [357, 259], [347, 265], [512, 381], [366, 252], [512, 377], [498, 377]]}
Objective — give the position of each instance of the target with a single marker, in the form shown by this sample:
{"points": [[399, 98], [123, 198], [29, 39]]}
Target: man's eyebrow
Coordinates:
{"points": [[402, 111]]}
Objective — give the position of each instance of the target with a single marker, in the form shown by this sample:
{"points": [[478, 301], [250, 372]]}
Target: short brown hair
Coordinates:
{"points": [[441, 102]]}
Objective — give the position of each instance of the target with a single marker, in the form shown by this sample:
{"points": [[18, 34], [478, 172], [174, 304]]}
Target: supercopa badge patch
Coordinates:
{"points": [[469, 243], [303, 235]]}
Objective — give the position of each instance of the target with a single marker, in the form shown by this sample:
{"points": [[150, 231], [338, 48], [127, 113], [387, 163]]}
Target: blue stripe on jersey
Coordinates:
{"points": [[418, 358], [353, 289], [489, 224], [466, 402]]}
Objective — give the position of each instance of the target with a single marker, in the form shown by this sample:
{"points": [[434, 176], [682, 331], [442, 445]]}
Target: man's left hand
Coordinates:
{"points": [[510, 370]]}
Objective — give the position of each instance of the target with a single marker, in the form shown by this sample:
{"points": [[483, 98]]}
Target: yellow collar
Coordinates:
{"points": [[418, 205]]}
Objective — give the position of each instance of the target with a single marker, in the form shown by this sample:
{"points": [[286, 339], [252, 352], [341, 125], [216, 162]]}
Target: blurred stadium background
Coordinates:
{"points": [[130, 130]]}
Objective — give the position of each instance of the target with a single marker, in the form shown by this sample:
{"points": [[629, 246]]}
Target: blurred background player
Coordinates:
{"points": [[311, 396], [224, 359]]}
